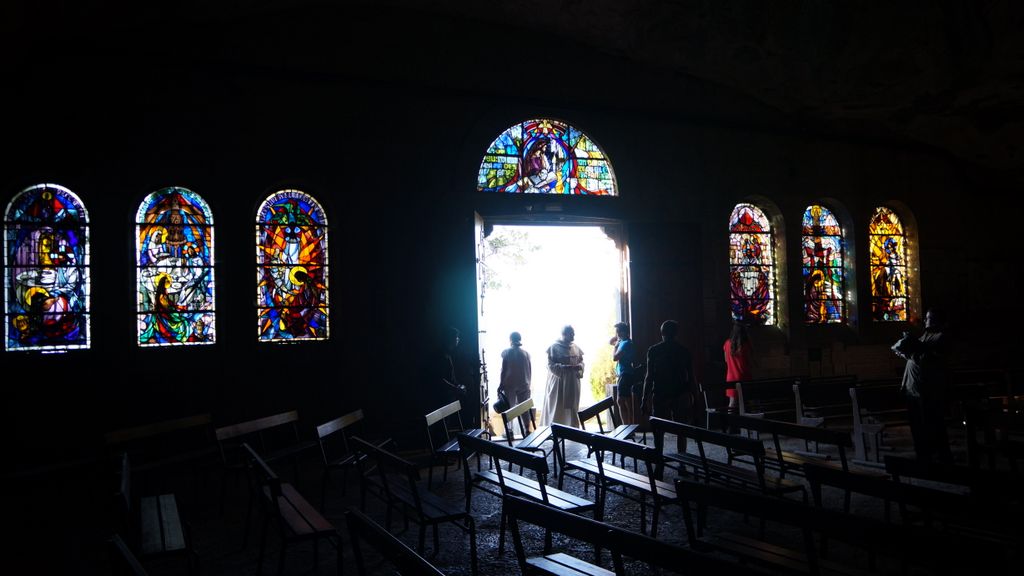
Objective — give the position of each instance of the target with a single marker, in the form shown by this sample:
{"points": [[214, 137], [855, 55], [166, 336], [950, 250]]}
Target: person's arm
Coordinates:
{"points": [[529, 368], [648, 390], [619, 349], [504, 371]]}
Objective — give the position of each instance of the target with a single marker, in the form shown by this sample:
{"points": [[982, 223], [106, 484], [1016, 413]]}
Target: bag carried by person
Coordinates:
{"points": [[501, 404]]}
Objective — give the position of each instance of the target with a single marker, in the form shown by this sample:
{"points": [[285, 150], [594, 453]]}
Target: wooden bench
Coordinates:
{"points": [[531, 437], [408, 562], [617, 429], [992, 489], [823, 401], [767, 397], [1001, 432], [399, 482], [442, 437], [620, 543], [951, 512], [155, 528], [344, 458], [277, 437], [905, 545], [507, 482], [615, 479], [874, 409], [297, 520], [717, 471], [167, 443], [122, 561]]}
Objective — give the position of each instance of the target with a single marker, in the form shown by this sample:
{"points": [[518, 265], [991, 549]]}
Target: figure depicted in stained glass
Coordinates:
{"points": [[175, 269], [545, 157], [751, 266], [291, 235], [47, 270], [823, 271], [888, 266]]}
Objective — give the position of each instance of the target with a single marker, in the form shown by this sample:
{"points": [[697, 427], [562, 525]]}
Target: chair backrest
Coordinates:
{"points": [[440, 416], [122, 561], [619, 541], [126, 435], [408, 562], [257, 426], [595, 411], [876, 397], [340, 424], [775, 428], [517, 413], [261, 475]]}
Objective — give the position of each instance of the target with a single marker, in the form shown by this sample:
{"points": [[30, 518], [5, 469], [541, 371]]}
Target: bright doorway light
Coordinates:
{"points": [[540, 278]]}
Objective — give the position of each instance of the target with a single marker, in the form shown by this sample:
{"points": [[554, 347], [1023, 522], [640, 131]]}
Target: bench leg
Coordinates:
{"points": [[501, 532], [474, 565]]}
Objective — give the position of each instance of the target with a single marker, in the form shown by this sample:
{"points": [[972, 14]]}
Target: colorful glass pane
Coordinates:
{"points": [[823, 267], [751, 266], [174, 273], [888, 266], [46, 270], [291, 252], [545, 157]]}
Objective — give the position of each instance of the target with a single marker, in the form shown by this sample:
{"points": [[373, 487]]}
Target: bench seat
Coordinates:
{"points": [[624, 477], [560, 564], [728, 474], [530, 488]]}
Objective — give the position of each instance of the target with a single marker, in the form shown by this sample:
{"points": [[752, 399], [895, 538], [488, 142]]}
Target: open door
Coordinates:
{"points": [[480, 236]]}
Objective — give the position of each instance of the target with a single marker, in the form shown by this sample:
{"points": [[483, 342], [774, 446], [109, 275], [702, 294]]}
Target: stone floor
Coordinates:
{"points": [[77, 523]]}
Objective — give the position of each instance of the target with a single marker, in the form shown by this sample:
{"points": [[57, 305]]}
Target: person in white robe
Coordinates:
{"points": [[565, 369]]}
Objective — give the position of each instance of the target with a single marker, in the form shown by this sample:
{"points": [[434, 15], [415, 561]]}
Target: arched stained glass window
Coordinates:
{"points": [[46, 270], [545, 157], [888, 266], [823, 267], [174, 274], [751, 266], [291, 253]]}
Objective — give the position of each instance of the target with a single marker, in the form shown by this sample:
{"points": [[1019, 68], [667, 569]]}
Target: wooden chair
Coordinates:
{"points": [[630, 484], [535, 488], [341, 428], [122, 561], [155, 528], [443, 426], [286, 443], [296, 519], [617, 429], [400, 484], [408, 562], [531, 437], [620, 543]]}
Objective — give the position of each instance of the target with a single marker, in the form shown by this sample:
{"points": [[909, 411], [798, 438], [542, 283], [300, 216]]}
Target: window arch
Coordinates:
{"points": [[545, 157], [174, 273], [291, 252], [751, 266], [889, 280], [824, 272], [46, 270]]}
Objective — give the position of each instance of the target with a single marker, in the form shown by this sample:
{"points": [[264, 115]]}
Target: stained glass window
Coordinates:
{"points": [[291, 255], [174, 274], [823, 273], [751, 266], [888, 266], [46, 270], [545, 157]]}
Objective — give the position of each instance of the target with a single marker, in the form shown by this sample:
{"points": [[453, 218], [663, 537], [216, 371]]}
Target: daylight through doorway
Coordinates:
{"points": [[536, 279]]}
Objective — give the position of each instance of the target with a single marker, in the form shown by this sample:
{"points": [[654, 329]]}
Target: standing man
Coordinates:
{"points": [[565, 367], [668, 386], [516, 371], [624, 355], [451, 389], [925, 384]]}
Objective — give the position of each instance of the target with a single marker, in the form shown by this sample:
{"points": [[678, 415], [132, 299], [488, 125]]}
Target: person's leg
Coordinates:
{"points": [[935, 416], [918, 428], [624, 399]]}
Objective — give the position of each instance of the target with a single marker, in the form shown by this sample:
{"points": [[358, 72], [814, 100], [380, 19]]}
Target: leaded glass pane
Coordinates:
{"points": [[174, 273], [545, 157], [751, 266], [46, 270], [888, 266], [291, 254], [823, 267]]}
